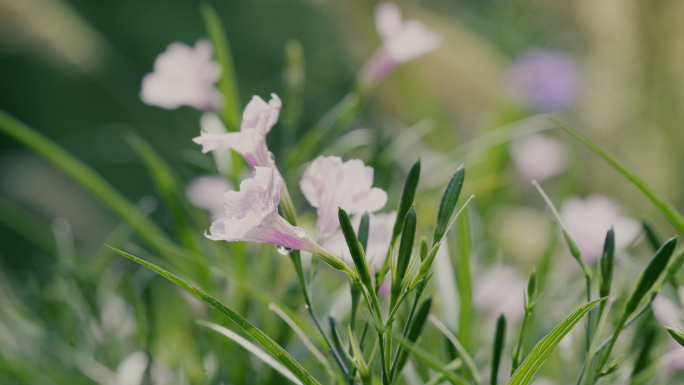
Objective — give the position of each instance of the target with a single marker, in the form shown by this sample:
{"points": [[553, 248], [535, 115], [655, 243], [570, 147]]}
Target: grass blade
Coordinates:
{"points": [[262, 355], [543, 349], [460, 349], [302, 336], [276, 350], [670, 212], [227, 84]]}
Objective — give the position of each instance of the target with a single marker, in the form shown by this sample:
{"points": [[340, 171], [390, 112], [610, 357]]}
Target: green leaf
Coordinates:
{"points": [[364, 227], [355, 249], [677, 335], [424, 248], [652, 235], [497, 351], [665, 207], [650, 275], [607, 263], [271, 346], [406, 201], [543, 349], [250, 347], [448, 204], [227, 84], [405, 249]]}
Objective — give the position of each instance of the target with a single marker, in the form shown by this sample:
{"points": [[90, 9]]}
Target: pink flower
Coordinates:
{"points": [[538, 157], [206, 191], [184, 76], [251, 215], [588, 220], [401, 41], [379, 238], [328, 184], [257, 120]]}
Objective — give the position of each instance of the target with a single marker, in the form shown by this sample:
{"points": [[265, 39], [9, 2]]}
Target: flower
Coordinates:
{"points": [[588, 220], [206, 191], [257, 120], [184, 76], [543, 80], [538, 157], [329, 184], [500, 290], [251, 215], [379, 238], [401, 41]]}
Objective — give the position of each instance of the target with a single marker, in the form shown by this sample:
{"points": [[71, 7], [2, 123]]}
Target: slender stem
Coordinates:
{"points": [[404, 333], [518, 348], [618, 329]]}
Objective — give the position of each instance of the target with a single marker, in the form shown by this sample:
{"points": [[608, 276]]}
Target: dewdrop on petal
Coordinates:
{"points": [[329, 184], [184, 76], [257, 120], [588, 220], [401, 41]]}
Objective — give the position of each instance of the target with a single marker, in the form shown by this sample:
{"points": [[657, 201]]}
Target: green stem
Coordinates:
{"points": [[518, 348]]}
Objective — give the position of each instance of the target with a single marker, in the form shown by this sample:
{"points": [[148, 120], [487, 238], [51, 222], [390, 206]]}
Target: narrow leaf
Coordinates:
{"points": [[497, 351], [355, 249], [677, 335], [543, 349], [462, 352], [665, 207], [406, 201], [364, 227], [271, 346], [448, 204], [654, 239], [260, 354], [464, 281]]}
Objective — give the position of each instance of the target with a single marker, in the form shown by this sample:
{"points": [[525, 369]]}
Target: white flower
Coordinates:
{"points": [[379, 238], [538, 157], [257, 120], [500, 290], [588, 220], [251, 215], [206, 192], [329, 184], [401, 41], [184, 76]]}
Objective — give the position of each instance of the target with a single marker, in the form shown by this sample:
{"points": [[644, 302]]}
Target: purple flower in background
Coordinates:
{"points": [[206, 192], [543, 80]]}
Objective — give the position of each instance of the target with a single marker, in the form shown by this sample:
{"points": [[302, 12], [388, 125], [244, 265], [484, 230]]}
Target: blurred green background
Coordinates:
{"points": [[72, 70]]}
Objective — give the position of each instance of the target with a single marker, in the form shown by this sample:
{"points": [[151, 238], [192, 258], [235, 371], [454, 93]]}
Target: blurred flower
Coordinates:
{"points": [[184, 76], [379, 237], [257, 120], [251, 215], [543, 80], [329, 184], [500, 290], [538, 157], [669, 314], [588, 220], [206, 192], [401, 42]]}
